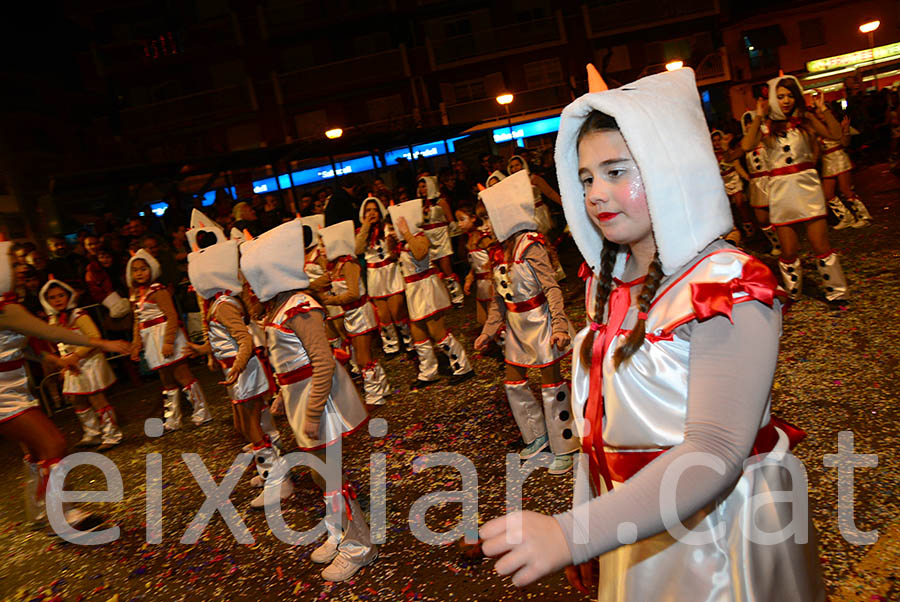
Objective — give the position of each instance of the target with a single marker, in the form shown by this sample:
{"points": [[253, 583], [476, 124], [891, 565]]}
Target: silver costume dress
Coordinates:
{"points": [[436, 226], [758, 170], [835, 159], [95, 374], [795, 191], [359, 315], [253, 382], [152, 323], [426, 294]]}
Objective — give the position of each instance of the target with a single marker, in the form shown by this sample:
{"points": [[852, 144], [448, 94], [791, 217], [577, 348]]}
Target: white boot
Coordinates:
{"points": [[172, 409], [792, 277], [459, 362], [354, 547], [428, 366], [195, 394], [90, 427], [34, 511], [267, 423], [267, 459], [832, 277], [528, 416], [375, 384], [455, 290], [560, 428], [112, 434], [405, 335], [863, 218], [772, 236], [845, 218], [390, 342]]}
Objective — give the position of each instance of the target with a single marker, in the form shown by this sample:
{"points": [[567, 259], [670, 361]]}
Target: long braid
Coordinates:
{"points": [[648, 291], [601, 294]]}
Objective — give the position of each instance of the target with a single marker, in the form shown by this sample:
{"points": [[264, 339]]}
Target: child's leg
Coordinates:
{"points": [[845, 181], [109, 425], [481, 311], [526, 411], [428, 365], [454, 351], [390, 342], [375, 383], [844, 217], [557, 400], [400, 316], [270, 466], [451, 280], [743, 208], [172, 398], [827, 261], [762, 218], [192, 390], [88, 418]]}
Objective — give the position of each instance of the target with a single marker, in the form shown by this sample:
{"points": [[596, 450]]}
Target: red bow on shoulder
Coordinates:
{"points": [[713, 298], [585, 271]]}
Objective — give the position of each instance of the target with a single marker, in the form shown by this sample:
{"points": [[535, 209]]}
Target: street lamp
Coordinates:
{"points": [[504, 100], [869, 28], [334, 133], [674, 65]]}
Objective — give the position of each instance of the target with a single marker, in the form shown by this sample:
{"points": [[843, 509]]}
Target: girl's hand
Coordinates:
{"points": [[467, 287], [168, 349], [231, 377], [560, 339], [119, 347], [136, 352], [211, 363], [481, 342], [277, 407], [541, 549], [403, 227], [819, 103], [311, 429], [762, 107], [70, 363], [581, 577]]}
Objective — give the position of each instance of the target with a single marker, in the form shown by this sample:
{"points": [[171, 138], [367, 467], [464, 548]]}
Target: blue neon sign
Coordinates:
{"points": [[527, 130]]}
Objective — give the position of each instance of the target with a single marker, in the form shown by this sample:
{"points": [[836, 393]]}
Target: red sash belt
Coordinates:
{"points": [[624, 465], [11, 365], [527, 305], [759, 174], [833, 150], [482, 275], [295, 376], [421, 275], [789, 169], [435, 225], [153, 322], [356, 304], [381, 264]]}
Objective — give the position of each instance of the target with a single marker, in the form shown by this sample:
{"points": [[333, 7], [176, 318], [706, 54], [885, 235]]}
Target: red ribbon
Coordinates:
{"points": [[585, 271], [714, 298], [528, 305]]}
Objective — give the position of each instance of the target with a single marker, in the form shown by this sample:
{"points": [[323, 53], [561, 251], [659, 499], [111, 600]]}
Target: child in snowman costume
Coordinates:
{"points": [[673, 372], [320, 401], [757, 161], [528, 300], [436, 218]]}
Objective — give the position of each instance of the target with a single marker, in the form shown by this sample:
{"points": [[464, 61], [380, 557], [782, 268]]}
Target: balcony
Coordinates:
{"points": [[609, 17], [714, 68], [287, 18], [489, 44], [527, 101], [355, 74], [204, 108]]}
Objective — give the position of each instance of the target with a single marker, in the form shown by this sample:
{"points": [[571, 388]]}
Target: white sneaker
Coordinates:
{"points": [[327, 551], [287, 490], [343, 567]]}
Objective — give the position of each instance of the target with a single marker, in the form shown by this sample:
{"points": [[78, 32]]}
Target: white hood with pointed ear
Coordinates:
{"points": [[431, 182], [199, 222], [151, 261], [496, 174], [411, 211], [775, 111], [315, 222], [377, 201], [6, 269], [510, 205], [215, 269], [339, 240], [662, 122], [273, 261], [42, 295]]}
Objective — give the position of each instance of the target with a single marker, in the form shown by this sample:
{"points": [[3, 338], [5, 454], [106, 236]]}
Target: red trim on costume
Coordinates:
{"points": [[833, 149], [380, 297], [482, 275], [381, 264], [294, 376], [100, 390], [759, 174], [435, 225], [714, 298], [11, 365], [10, 298], [344, 434], [514, 383], [557, 360], [551, 385], [528, 305], [836, 174], [421, 275], [154, 322], [791, 169], [356, 334], [20, 412], [361, 302], [824, 255], [173, 362]]}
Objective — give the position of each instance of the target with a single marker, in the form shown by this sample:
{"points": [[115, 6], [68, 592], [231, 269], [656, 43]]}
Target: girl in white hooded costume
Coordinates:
{"points": [[540, 188], [836, 173], [383, 277], [757, 161], [320, 400], [679, 359], [157, 331], [436, 218], [348, 291], [795, 191], [87, 374]]}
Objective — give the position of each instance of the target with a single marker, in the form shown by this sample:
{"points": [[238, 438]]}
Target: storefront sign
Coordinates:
{"points": [[854, 58]]}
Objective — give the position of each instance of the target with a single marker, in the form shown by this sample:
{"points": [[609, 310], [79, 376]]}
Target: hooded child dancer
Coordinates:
{"points": [[436, 216]]}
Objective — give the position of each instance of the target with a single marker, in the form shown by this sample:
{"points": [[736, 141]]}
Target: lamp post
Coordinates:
{"points": [[869, 28], [333, 134], [674, 65], [504, 100]]}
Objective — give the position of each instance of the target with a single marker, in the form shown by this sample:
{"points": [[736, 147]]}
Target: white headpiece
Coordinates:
{"points": [[215, 269], [151, 261], [775, 111], [315, 222], [42, 295], [237, 235], [377, 201], [431, 183], [6, 270], [411, 211], [510, 205], [273, 262], [520, 158], [339, 240], [496, 174], [662, 122], [199, 222]]}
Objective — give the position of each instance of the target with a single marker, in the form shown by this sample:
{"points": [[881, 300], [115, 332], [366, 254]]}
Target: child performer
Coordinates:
{"points": [[426, 299], [383, 277], [87, 373], [436, 220], [348, 291], [538, 333], [836, 168], [157, 332], [213, 271], [314, 266], [677, 370], [320, 400], [733, 176], [795, 192], [479, 243], [758, 186], [540, 188], [21, 418]]}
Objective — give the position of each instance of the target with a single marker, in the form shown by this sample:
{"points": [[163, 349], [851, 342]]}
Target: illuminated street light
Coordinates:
{"points": [[335, 133], [674, 65], [869, 27], [505, 99]]}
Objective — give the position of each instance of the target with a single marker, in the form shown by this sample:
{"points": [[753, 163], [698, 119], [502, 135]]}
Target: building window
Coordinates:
{"points": [[811, 33], [472, 89], [542, 74], [459, 27]]}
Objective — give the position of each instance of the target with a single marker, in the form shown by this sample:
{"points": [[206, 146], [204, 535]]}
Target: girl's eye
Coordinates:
{"points": [[615, 173], [585, 182]]}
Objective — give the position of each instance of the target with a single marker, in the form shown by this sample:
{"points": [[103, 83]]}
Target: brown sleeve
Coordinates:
{"points": [[350, 271], [90, 330], [419, 245], [537, 258], [136, 341], [496, 316], [163, 299], [310, 329], [232, 317], [362, 238]]}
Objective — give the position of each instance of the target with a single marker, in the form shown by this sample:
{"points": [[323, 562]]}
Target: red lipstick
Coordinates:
{"points": [[606, 216]]}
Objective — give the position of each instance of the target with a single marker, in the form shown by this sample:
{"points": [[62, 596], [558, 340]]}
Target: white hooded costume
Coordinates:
{"points": [[383, 277], [542, 215], [757, 168], [15, 394], [434, 222], [340, 244], [629, 415]]}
